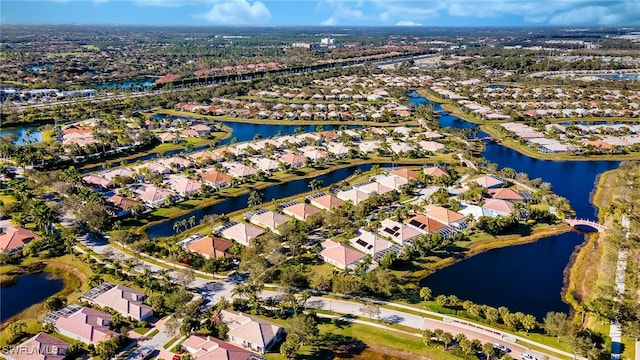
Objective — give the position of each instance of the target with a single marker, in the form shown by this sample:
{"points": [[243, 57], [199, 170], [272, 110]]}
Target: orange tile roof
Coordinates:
{"points": [[405, 173], [424, 223], [443, 215], [212, 247], [14, 238]]}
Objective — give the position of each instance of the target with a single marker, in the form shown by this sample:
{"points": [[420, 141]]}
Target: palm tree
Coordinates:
{"points": [[43, 216], [95, 280], [315, 184]]}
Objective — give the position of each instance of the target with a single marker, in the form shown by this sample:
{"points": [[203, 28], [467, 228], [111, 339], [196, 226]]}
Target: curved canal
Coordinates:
{"points": [[528, 277], [278, 191]]}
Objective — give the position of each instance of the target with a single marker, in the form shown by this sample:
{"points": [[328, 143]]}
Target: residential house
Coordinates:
{"points": [[151, 194], [97, 181], [239, 170], [432, 146], [269, 219], [398, 232], [205, 155], [265, 164], [446, 216], [153, 167], [294, 160], [372, 244], [354, 195], [340, 255], [405, 173], [121, 205], [325, 202], [183, 185], [14, 239], [435, 171], [254, 333], [82, 323], [241, 233], [215, 179], [210, 247], [121, 172], [488, 181], [300, 211], [390, 181], [372, 187], [499, 207], [425, 224], [41, 346], [124, 300], [506, 194], [204, 347]]}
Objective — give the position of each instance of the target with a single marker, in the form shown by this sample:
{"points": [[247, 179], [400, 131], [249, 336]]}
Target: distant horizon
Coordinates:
{"points": [[341, 13]]}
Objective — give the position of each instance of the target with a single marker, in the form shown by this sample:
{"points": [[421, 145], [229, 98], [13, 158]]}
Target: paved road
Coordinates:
{"points": [[212, 290]]}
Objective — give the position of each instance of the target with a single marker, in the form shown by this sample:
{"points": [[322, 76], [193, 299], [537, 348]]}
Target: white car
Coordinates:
{"points": [[501, 347], [526, 356]]}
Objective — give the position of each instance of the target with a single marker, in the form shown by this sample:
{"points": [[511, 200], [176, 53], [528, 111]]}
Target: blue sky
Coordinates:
{"points": [[324, 12]]}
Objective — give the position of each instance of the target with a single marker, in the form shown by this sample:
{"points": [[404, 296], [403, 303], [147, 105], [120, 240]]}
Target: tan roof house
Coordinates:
{"points": [[499, 206], [326, 202], [270, 220], [295, 161], [257, 334], [42, 346], [506, 194], [97, 180], [203, 347], [151, 194], [435, 171], [488, 182], [183, 185], [405, 174], [84, 324], [340, 255], [300, 211], [210, 247], [242, 233], [446, 216], [122, 299], [14, 239]]}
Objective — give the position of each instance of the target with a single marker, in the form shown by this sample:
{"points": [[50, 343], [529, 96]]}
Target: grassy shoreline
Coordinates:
{"points": [[73, 280]]}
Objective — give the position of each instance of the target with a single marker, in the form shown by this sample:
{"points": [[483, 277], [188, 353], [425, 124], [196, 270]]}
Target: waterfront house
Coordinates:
{"points": [[488, 181], [82, 323], [354, 195], [325, 201], [499, 207], [215, 179], [13, 240], [435, 171], [269, 219], [151, 194], [254, 333], [300, 210], [506, 194], [446, 216], [183, 185]]}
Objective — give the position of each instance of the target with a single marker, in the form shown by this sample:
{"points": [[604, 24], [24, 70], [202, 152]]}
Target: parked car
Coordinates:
{"points": [[501, 347]]}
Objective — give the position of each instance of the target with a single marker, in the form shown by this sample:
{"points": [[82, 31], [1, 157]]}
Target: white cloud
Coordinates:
{"points": [[342, 11], [408, 23], [237, 12], [554, 12]]}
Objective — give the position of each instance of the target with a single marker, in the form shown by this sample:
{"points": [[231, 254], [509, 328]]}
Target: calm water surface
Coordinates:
{"points": [[28, 290]]}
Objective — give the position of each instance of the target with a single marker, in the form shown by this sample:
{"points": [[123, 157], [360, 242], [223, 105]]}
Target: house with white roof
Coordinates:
{"points": [[150, 194], [183, 185], [398, 232], [354, 195], [372, 244], [269, 219]]}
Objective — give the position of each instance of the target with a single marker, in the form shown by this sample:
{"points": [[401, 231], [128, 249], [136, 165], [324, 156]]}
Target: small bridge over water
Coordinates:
{"points": [[585, 223]]}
